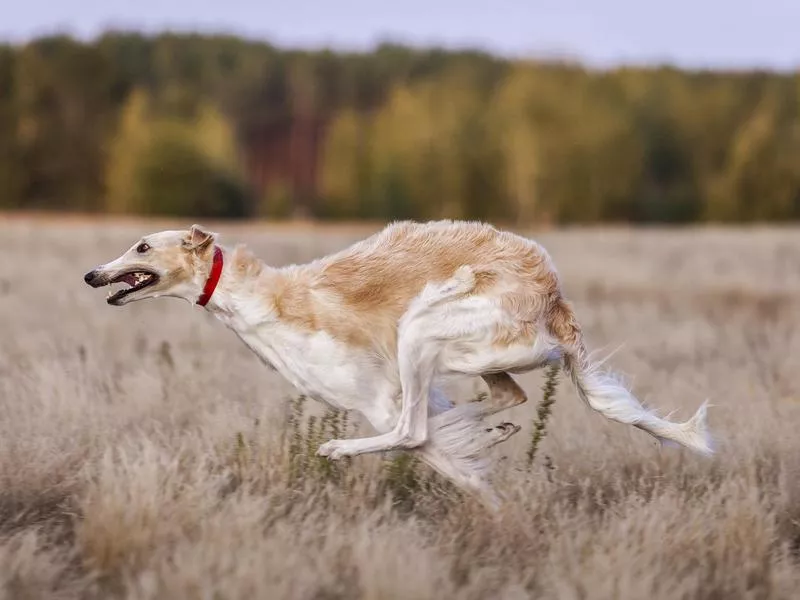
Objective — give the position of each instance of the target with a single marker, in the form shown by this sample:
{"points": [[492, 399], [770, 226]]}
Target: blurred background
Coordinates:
{"points": [[516, 112]]}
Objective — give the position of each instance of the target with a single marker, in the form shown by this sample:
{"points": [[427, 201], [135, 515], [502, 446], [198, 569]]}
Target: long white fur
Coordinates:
{"points": [[605, 394]]}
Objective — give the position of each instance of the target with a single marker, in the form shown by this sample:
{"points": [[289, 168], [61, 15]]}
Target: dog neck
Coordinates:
{"points": [[243, 296]]}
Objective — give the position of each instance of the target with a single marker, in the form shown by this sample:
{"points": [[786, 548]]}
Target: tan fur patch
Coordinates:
{"points": [[359, 294]]}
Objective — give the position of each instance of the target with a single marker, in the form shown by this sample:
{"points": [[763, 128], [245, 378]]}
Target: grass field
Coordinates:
{"points": [[145, 453]]}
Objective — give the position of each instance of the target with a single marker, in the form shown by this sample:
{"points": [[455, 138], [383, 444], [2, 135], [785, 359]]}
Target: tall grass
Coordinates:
{"points": [[145, 453]]}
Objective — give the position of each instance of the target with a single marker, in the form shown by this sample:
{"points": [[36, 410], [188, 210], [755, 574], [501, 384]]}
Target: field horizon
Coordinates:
{"points": [[146, 453]]}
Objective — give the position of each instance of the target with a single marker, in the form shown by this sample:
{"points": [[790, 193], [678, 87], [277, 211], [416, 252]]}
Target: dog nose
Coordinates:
{"points": [[90, 276]]}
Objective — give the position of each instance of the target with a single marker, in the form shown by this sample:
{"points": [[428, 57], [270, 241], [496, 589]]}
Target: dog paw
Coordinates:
{"points": [[500, 433], [334, 449]]}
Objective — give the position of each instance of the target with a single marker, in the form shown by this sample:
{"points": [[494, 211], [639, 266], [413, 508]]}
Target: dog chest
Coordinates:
{"points": [[316, 364]]}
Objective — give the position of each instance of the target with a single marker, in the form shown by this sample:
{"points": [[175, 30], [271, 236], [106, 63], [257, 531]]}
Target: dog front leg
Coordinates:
{"points": [[422, 333], [416, 359]]}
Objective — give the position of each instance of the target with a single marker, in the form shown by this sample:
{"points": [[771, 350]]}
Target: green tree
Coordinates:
{"points": [[345, 166], [132, 138], [761, 178], [176, 167], [62, 100], [11, 166]]}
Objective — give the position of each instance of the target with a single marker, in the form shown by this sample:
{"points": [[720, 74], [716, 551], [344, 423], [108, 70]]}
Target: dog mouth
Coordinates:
{"points": [[136, 280]]}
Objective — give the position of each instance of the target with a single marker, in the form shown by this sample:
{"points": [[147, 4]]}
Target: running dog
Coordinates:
{"points": [[377, 327]]}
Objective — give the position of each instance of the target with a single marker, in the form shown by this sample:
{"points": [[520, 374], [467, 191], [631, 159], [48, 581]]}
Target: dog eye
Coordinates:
{"points": [[142, 248]]}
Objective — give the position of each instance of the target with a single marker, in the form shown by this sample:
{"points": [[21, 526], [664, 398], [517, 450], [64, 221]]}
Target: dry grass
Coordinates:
{"points": [[145, 453]]}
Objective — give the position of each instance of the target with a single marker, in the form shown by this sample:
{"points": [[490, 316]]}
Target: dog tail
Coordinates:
{"points": [[605, 394]]}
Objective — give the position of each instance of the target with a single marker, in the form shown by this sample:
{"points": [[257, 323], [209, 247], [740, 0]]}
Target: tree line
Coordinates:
{"points": [[219, 126]]}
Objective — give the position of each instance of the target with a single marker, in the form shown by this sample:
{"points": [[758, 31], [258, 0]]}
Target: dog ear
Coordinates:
{"points": [[198, 240]]}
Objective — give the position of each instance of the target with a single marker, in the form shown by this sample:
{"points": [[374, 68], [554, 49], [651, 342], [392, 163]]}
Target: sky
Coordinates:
{"points": [[730, 34]]}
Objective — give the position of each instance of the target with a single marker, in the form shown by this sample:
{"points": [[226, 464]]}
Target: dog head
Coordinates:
{"points": [[167, 263]]}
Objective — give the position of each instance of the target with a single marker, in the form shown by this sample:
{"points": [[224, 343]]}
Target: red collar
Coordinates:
{"points": [[213, 277]]}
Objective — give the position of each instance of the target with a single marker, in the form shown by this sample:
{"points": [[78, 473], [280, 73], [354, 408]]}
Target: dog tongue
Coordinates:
{"points": [[129, 279]]}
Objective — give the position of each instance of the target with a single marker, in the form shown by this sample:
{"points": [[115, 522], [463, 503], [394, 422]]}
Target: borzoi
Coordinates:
{"points": [[378, 326]]}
